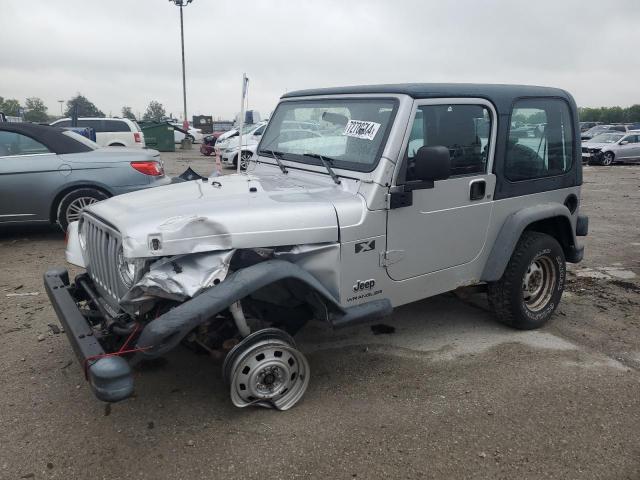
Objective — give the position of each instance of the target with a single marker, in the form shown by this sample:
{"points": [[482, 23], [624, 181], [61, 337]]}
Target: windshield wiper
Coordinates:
{"points": [[275, 154], [326, 161]]}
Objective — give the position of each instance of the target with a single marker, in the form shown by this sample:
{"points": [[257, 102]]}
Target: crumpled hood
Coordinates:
{"points": [[597, 145], [233, 211]]}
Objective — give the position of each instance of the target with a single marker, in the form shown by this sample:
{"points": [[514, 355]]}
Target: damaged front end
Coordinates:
{"points": [[124, 310]]}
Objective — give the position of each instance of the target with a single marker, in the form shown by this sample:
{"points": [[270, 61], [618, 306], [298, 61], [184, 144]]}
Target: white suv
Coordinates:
{"points": [[110, 132]]}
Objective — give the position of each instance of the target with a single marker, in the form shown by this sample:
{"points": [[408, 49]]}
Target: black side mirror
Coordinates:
{"points": [[432, 163]]}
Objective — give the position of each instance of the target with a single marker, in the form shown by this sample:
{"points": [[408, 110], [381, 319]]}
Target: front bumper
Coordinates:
{"points": [[227, 157], [110, 376]]}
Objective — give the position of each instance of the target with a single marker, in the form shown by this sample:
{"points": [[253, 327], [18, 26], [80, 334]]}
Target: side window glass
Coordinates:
{"points": [[540, 140], [97, 125], [115, 126], [12, 143], [463, 129], [64, 123], [258, 132]]}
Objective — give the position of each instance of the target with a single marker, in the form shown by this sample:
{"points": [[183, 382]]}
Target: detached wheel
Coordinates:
{"points": [[266, 370], [532, 284], [73, 202]]}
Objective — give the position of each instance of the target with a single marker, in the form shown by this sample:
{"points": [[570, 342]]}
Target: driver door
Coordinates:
{"points": [[446, 224]]}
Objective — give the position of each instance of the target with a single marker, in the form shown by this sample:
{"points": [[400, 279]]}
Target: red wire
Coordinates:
{"points": [[121, 351], [124, 345]]}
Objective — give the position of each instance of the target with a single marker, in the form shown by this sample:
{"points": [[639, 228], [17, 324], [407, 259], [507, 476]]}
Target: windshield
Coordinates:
{"points": [[79, 138], [350, 132], [607, 138]]}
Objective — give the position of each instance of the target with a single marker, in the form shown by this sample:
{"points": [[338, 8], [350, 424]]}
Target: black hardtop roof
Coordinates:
{"points": [[50, 137], [499, 94]]}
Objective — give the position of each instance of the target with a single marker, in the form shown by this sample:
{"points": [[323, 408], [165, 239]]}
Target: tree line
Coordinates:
{"points": [[610, 114], [35, 110]]}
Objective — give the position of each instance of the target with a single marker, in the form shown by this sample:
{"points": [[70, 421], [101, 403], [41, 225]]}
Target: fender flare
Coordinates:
{"points": [[166, 331], [507, 239]]}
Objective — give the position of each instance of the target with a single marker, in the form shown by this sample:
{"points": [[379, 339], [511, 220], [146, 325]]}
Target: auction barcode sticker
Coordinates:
{"points": [[361, 129]]}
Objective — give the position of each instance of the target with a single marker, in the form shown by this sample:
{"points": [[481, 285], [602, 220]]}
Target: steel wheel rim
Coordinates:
{"points": [[270, 373], [75, 208], [539, 283]]}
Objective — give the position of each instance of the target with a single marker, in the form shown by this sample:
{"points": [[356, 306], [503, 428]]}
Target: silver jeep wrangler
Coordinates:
{"points": [[395, 193]]}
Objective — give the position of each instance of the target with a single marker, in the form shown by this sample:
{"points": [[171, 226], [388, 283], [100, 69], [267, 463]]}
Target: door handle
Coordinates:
{"points": [[477, 189]]}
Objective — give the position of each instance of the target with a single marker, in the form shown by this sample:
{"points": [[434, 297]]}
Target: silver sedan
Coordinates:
{"points": [[49, 175], [607, 148]]}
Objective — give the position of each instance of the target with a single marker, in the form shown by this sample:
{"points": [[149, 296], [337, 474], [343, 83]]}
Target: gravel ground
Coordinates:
{"points": [[450, 394]]}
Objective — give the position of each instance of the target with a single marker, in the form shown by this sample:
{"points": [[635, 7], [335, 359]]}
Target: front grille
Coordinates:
{"points": [[585, 150], [103, 244]]}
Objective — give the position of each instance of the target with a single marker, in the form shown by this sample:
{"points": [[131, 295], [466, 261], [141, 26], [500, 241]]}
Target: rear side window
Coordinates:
{"points": [[540, 139], [12, 143], [95, 124], [63, 123], [115, 126]]}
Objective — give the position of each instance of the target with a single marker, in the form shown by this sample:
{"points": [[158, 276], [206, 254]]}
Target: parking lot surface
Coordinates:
{"points": [[449, 394]]}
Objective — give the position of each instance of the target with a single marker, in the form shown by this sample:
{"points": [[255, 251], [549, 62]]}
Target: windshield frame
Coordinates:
{"points": [[337, 163]]}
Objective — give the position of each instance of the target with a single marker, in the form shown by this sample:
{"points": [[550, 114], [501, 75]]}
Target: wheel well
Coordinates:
{"points": [[116, 144], [556, 227], [53, 214]]}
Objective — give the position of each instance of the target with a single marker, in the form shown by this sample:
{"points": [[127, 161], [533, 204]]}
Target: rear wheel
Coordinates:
{"points": [[73, 202], [117, 145], [532, 284]]}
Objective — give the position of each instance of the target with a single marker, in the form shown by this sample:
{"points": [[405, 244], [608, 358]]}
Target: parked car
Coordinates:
{"points": [[48, 174], [207, 147], [592, 132], [110, 132], [527, 131], [229, 146], [339, 228], [194, 133], [584, 126], [609, 147]]}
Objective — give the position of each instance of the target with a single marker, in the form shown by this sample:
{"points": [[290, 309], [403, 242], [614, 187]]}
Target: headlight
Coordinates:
{"points": [[126, 269]]}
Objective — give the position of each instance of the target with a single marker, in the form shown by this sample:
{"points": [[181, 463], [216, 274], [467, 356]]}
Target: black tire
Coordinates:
{"points": [[117, 145], [68, 207], [536, 255]]}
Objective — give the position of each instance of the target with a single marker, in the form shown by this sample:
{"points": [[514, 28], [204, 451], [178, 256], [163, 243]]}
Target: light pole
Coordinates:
{"points": [[61, 102], [183, 3]]}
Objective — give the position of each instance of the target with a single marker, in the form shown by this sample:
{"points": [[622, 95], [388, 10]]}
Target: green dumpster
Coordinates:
{"points": [[158, 135]]}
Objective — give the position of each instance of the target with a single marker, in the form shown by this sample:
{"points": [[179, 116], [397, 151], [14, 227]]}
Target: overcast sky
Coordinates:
{"points": [[126, 52]]}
